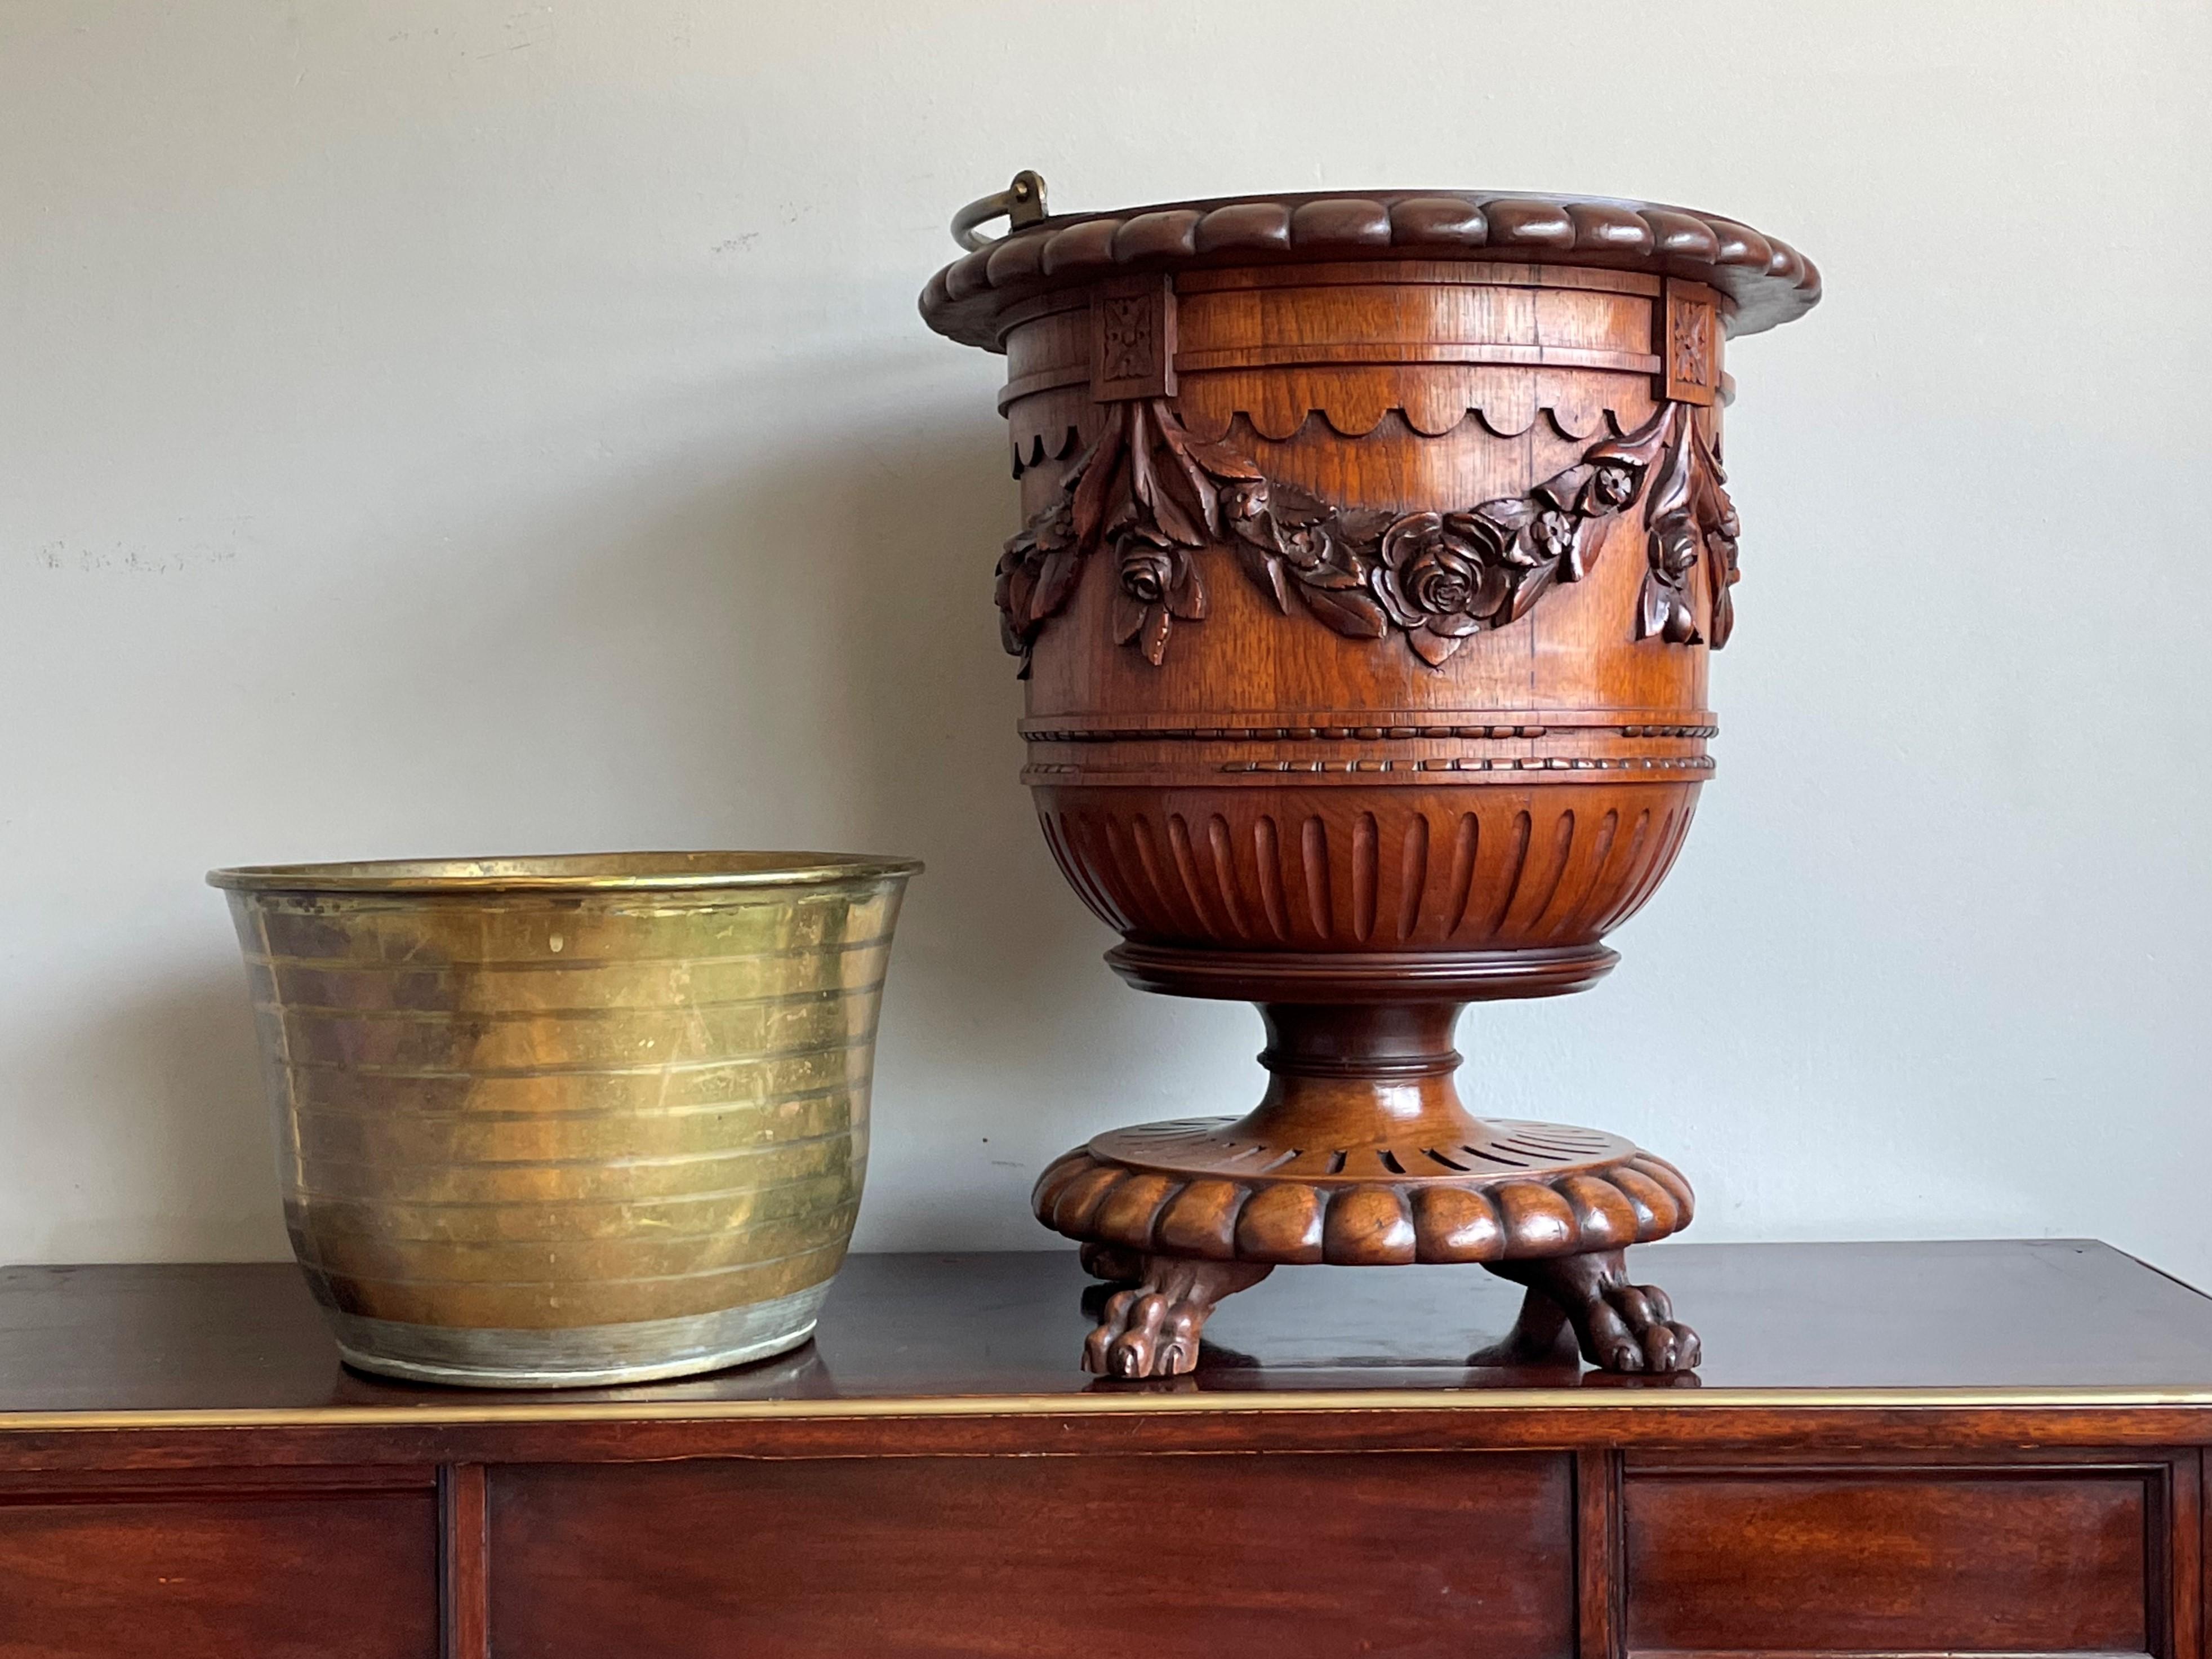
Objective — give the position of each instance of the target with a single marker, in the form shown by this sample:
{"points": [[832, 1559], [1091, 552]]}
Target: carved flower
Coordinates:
{"points": [[1675, 542], [1552, 533], [1147, 571], [1037, 573], [1441, 577], [1158, 586], [1611, 488], [1310, 549], [1244, 499]]}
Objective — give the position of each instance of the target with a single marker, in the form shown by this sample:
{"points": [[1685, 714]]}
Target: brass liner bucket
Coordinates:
{"points": [[569, 1121]]}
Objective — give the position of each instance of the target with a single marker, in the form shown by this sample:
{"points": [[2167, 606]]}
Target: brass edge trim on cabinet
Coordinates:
{"points": [[1073, 1405]]}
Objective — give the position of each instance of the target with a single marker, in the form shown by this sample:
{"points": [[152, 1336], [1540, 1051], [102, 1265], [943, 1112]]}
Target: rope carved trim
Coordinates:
{"points": [[1154, 496]]}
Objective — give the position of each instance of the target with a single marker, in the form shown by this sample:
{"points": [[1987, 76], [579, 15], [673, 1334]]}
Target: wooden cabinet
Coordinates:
{"points": [[1225, 1555], [2032, 1556], [184, 1469], [199, 1568]]}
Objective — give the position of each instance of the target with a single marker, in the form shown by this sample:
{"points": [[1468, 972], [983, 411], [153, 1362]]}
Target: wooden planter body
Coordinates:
{"points": [[1233, 796], [1373, 550]]}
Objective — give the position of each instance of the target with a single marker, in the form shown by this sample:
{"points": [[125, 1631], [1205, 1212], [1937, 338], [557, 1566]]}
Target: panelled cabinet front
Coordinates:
{"points": [[1590, 1553], [2041, 1553], [247, 1563], [1415, 1553]]}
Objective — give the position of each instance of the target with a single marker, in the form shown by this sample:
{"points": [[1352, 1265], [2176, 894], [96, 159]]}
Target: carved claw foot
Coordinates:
{"points": [[1616, 1325], [1151, 1327], [1112, 1263]]}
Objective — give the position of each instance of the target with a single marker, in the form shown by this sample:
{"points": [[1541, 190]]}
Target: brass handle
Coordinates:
{"points": [[1020, 202]]}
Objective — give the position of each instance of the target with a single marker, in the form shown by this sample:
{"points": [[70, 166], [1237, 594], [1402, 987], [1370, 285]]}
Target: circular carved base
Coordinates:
{"points": [[1510, 1191]]}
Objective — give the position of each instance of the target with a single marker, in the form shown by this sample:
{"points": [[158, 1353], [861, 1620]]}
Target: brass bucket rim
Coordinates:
{"points": [[693, 871]]}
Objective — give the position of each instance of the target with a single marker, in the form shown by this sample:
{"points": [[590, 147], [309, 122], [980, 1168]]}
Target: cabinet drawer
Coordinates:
{"points": [[1224, 1556], [201, 1574], [2048, 1559]]}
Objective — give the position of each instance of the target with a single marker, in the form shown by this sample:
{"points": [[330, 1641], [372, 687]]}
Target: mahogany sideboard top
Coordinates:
{"points": [[1890, 1448]]}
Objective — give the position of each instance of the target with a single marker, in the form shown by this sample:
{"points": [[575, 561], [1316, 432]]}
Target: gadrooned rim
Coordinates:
{"points": [[1767, 282], [702, 871]]}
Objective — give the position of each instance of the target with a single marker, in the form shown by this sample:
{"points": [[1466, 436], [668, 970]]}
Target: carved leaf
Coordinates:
{"points": [[1154, 639], [1054, 587], [1509, 515], [1194, 482], [1293, 508], [1332, 575], [1187, 598], [1571, 565], [1098, 472], [1363, 528], [1266, 570], [1219, 459], [1641, 447], [1016, 586], [1564, 489], [1128, 616], [1194, 495], [1148, 493], [1349, 612], [1652, 605], [1433, 649], [1530, 588]]}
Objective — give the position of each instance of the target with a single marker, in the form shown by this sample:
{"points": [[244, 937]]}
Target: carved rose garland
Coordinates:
{"points": [[1152, 495]]}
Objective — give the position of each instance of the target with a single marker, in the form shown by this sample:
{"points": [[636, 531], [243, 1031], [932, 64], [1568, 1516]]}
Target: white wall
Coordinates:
{"points": [[442, 426]]}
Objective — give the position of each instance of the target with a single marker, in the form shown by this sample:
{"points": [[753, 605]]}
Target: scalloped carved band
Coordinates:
{"points": [[1157, 496]]}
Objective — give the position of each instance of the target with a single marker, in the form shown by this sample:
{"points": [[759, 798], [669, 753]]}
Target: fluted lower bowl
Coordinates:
{"points": [[569, 1121], [1551, 864]]}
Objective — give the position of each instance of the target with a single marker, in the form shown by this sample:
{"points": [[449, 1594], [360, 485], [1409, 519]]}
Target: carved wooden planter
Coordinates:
{"points": [[1374, 546]]}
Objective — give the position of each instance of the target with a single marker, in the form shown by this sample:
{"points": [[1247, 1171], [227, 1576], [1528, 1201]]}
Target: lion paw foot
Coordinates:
{"points": [[1616, 1326], [1151, 1328]]}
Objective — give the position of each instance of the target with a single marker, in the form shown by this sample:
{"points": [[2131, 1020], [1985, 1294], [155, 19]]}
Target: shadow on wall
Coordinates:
{"points": [[1007, 1038], [744, 643], [186, 1168]]}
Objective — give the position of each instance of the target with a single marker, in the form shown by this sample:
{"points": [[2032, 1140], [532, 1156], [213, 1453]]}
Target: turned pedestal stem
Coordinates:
{"points": [[1351, 1078], [1360, 1153]]}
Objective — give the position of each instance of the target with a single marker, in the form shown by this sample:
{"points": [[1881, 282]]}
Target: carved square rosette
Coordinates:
{"points": [[1133, 339], [1690, 343]]}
